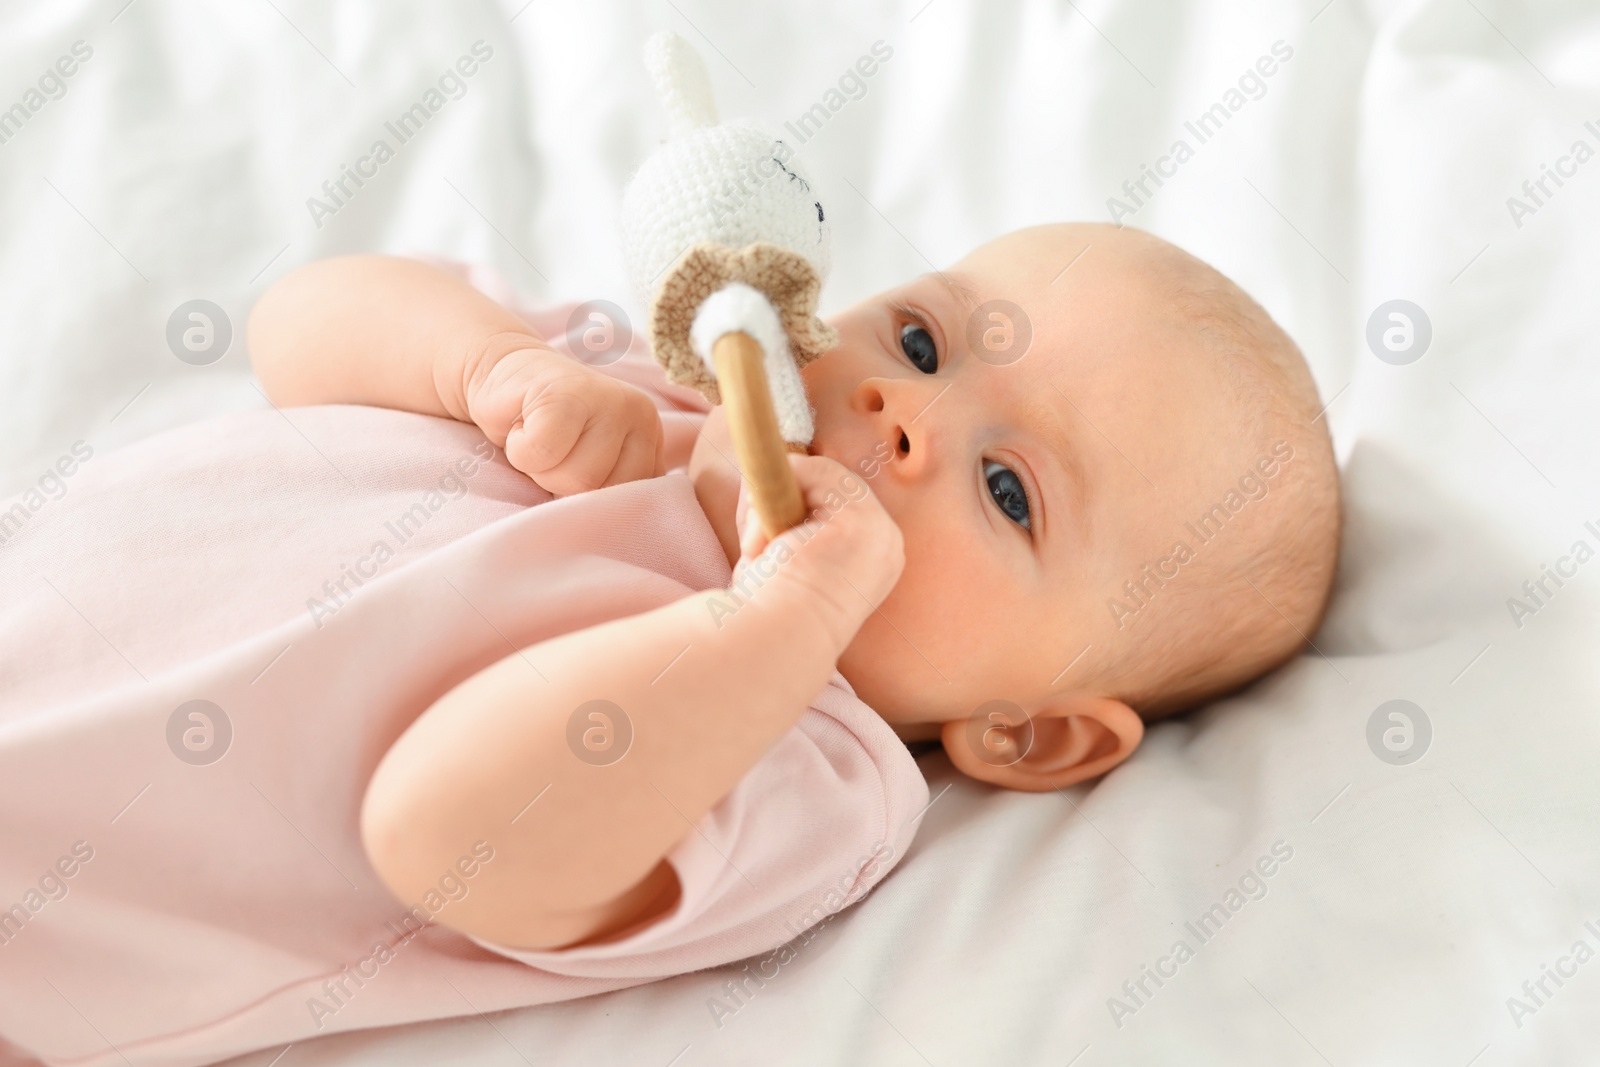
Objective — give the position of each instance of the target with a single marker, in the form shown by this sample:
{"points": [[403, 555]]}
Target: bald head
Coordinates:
{"points": [[1269, 577]]}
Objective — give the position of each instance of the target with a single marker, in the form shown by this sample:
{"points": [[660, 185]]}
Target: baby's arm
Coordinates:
{"points": [[398, 333], [707, 695]]}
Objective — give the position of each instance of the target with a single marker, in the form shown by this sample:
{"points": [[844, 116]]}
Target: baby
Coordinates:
{"points": [[1024, 554]]}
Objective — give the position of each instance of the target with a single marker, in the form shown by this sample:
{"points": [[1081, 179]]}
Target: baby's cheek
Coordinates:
{"points": [[903, 671], [885, 671], [931, 607]]}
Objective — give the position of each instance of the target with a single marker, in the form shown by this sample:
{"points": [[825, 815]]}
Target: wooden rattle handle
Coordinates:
{"points": [[753, 424]]}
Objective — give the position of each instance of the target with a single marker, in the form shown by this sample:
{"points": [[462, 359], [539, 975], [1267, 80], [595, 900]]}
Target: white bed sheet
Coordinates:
{"points": [[1377, 165]]}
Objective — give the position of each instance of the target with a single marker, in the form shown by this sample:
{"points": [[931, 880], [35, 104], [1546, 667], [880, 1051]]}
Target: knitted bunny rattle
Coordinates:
{"points": [[728, 244]]}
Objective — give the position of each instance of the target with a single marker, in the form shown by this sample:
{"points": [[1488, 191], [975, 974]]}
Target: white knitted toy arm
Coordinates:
{"points": [[740, 307]]}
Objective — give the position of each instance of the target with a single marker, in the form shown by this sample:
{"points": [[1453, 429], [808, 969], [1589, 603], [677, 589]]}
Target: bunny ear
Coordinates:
{"points": [[681, 82]]}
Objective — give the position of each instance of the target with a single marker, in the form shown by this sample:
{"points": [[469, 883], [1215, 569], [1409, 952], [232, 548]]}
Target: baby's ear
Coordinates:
{"points": [[1076, 738]]}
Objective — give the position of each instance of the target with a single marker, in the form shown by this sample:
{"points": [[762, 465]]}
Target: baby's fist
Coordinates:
{"points": [[843, 560], [567, 426]]}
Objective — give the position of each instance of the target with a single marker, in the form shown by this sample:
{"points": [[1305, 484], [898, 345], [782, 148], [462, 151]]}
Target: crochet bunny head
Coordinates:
{"points": [[730, 184], [720, 203]]}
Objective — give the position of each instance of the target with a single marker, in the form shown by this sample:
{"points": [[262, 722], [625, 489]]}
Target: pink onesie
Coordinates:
{"points": [[181, 882]]}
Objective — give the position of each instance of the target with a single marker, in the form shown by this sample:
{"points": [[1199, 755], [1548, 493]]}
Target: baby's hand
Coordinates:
{"points": [[844, 559], [567, 426]]}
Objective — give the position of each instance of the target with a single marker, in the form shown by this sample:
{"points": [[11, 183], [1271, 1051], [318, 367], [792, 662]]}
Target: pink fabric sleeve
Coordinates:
{"points": [[810, 830]]}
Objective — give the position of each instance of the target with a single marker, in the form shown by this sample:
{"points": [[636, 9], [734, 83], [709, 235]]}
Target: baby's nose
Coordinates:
{"points": [[899, 410]]}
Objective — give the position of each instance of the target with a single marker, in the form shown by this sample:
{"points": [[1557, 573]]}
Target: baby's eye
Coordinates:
{"points": [[1009, 496], [919, 348]]}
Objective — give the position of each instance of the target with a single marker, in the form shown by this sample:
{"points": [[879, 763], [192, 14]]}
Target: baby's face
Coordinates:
{"points": [[1029, 485]]}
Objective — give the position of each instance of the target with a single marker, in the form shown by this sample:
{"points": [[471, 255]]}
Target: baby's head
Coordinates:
{"points": [[1128, 512]]}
